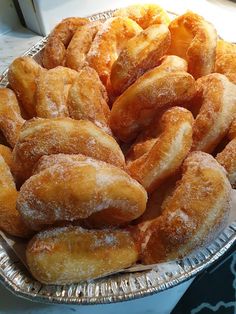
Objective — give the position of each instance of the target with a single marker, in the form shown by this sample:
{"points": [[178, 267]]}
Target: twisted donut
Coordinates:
{"points": [[89, 254], [87, 99], [226, 64], [192, 216], [160, 87], [41, 137], [224, 47], [54, 52], [86, 187], [107, 44], [10, 116], [218, 97], [194, 39], [140, 54], [22, 76], [10, 220], [145, 15], [227, 157], [168, 152], [52, 92], [80, 44]]}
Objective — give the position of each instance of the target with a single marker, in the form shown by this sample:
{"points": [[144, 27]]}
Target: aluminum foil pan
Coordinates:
{"points": [[114, 288]]}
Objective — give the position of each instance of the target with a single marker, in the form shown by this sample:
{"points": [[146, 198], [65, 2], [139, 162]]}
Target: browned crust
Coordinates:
{"points": [[168, 152], [195, 40], [193, 215], [10, 116], [55, 50]]}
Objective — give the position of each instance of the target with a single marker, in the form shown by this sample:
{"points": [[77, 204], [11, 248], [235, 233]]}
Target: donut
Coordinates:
{"points": [[22, 75], [227, 158], [168, 152], [193, 214], [6, 154], [108, 42], [223, 47], [138, 105], [54, 53], [140, 54], [157, 199], [73, 254], [41, 137], [52, 91], [80, 44], [218, 107], [10, 116], [226, 64], [145, 15], [10, 219], [232, 130], [87, 99], [195, 40], [74, 190]]}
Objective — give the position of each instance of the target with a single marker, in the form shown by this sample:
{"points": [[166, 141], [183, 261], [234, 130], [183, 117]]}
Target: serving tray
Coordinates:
{"points": [[114, 288]]}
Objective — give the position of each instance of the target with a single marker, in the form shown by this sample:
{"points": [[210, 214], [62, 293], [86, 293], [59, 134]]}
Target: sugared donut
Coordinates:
{"points": [[80, 44], [217, 103], [138, 105], [108, 42], [193, 215], [41, 137], [22, 75], [227, 157], [223, 47], [74, 190], [54, 53], [140, 54], [145, 14], [52, 91], [10, 219], [72, 254], [167, 153], [194, 39], [226, 64], [87, 99], [10, 116]]}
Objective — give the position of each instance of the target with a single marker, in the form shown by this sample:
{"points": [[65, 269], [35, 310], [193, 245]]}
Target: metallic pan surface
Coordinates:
{"points": [[115, 288]]}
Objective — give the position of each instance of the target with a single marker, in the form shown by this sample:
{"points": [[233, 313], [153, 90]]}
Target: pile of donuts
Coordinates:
{"points": [[121, 146]]}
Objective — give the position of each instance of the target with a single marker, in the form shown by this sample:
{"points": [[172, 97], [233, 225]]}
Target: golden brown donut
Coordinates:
{"points": [[54, 52], [168, 152], [80, 44], [218, 98], [227, 159], [74, 190], [232, 130], [193, 215], [10, 220], [6, 154], [52, 92], [140, 54], [138, 105], [41, 137], [10, 116], [107, 44], [194, 39], [226, 64], [87, 99], [22, 76], [145, 14], [223, 47], [72, 254]]}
